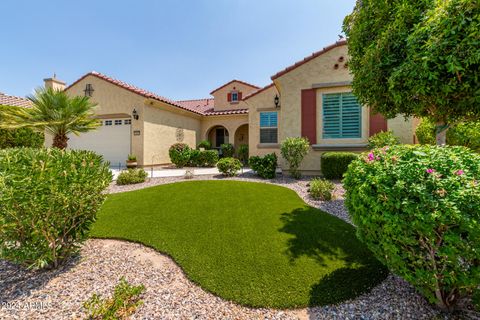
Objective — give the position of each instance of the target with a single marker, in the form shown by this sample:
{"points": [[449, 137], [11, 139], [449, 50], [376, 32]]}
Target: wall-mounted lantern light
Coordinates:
{"points": [[276, 100], [135, 114]]}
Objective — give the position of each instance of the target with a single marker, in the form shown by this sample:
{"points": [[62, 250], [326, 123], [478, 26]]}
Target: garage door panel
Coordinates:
{"points": [[112, 142]]}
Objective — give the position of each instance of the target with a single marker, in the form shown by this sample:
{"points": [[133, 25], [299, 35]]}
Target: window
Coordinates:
{"points": [[108, 122], [127, 121], [342, 116], [268, 127], [234, 96], [118, 122]]}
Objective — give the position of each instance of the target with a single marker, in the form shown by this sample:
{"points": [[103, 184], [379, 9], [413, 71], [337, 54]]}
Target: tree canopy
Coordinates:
{"points": [[416, 57]]}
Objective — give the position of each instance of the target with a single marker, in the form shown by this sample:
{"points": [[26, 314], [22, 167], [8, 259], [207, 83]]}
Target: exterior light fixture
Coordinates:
{"points": [[276, 100], [135, 114]]}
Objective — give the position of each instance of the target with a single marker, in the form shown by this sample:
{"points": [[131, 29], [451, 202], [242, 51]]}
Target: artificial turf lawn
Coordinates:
{"points": [[256, 244]]}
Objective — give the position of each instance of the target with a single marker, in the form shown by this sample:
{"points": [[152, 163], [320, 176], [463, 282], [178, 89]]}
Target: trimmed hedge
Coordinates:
{"points": [[206, 158], [48, 200], [335, 164], [417, 209], [23, 137], [265, 166], [131, 176]]}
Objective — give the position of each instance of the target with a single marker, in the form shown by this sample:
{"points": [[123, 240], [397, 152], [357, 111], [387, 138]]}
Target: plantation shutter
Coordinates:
{"points": [[341, 116]]}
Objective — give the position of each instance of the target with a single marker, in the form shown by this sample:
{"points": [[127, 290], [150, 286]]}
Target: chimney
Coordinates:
{"points": [[54, 83]]}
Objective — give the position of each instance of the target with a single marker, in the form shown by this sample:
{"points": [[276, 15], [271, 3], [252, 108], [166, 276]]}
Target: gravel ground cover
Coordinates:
{"points": [[59, 294]]}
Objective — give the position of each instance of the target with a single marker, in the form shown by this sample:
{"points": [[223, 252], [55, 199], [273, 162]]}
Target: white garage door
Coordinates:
{"points": [[111, 140]]}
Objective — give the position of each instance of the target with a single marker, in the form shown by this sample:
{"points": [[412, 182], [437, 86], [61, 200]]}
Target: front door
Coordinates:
{"points": [[219, 137]]}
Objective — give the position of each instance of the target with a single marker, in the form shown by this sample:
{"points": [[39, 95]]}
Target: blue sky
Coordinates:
{"points": [[179, 49]]}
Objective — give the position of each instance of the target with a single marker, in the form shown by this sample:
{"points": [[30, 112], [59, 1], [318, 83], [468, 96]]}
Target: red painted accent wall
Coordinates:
{"points": [[377, 123], [309, 115]]}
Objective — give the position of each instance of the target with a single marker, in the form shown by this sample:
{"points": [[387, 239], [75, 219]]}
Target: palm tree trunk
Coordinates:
{"points": [[60, 141]]}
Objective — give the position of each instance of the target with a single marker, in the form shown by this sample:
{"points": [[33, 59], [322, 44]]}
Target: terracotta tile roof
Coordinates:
{"points": [[134, 89], [234, 80], [312, 56], [200, 105], [13, 101], [258, 91], [211, 112]]}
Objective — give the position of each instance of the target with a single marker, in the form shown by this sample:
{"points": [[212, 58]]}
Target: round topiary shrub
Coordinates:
{"points": [[229, 166], [179, 154], [205, 144], [48, 201], [417, 209]]}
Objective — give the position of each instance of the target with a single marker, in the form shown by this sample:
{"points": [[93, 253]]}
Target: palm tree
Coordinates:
{"points": [[53, 112]]}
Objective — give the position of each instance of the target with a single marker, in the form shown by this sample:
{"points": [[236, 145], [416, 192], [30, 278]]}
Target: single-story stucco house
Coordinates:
{"points": [[311, 98]]}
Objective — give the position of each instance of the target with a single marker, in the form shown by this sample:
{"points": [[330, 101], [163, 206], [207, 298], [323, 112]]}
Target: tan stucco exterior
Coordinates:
{"points": [[220, 96], [112, 99], [162, 123]]}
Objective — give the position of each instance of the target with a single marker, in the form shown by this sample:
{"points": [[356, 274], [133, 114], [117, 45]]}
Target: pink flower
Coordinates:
{"points": [[371, 156], [430, 170], [459, 172]]}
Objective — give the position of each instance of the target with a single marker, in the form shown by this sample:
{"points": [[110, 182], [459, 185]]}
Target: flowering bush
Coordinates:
{"points": [[417, 209]]}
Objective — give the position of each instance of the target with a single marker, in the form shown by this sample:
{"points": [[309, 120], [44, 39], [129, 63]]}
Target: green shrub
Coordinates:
{"points": [[465, 134], [294, 150], [335, 164], [227, 150], [243, 153], [417, 209], [383, 139], [179, 154], [206, 158], [265, 166], [209, 158], [205, 144], [48, 200], [23, 137], [229, 166], [131, 176], [132, 157], [425, 132], [125, 300], [321, 189]]}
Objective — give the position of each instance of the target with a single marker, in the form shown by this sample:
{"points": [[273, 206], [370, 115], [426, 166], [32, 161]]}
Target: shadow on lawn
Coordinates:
{"points": [[326, 238]]}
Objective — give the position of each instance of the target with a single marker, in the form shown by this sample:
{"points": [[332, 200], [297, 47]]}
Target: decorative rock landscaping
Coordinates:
{"points": [[59, 294]]}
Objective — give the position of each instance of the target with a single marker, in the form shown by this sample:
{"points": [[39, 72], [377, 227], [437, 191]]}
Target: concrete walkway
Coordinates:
{"points": [[162, 173]]}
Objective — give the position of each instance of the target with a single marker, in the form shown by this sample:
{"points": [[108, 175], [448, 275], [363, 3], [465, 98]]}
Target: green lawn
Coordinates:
{"points": [[256, 244]]}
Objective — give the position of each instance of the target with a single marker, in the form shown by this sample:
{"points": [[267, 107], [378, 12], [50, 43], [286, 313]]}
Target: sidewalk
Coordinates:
{"points": [[161, 173]]}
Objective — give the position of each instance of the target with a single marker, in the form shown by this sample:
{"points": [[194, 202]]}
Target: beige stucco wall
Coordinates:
{"points": [[112, 99], [164, 125], [230, 122], [220, 96], [403, 128], [261, 102]]}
